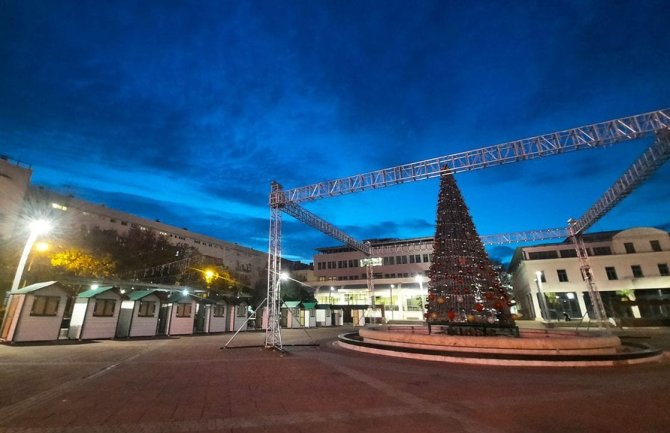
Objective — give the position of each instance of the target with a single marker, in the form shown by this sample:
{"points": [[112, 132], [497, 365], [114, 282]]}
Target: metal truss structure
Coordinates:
{"points": [[585, 137], [273, 330], [302, 214], [641, 170]]}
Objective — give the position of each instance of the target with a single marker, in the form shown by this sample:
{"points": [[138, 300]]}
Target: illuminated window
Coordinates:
{"points": [[147, 309], [45, 306], [184, 310], [104, 307]]}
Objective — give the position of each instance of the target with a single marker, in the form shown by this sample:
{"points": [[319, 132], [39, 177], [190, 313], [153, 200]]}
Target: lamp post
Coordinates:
{"points": [[37, 228], [392, 287], [330, 299]]}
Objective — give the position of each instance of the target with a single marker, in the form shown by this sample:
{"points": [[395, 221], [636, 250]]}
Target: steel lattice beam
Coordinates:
{"points": [[273, 330], [585, 137], [301, 214], [527, 236], [641, 170]]}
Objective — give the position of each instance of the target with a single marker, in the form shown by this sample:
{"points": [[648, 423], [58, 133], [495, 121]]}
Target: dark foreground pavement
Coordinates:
{"points": [[188, 384]]}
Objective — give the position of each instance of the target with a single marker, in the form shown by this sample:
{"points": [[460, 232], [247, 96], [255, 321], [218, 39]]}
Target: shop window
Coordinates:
{"points": [[104, 307], [147, 309], [630, 248], [45, 306], [219, 311], [241, 311], [184, 310], [611, 273], [562, 275], [637, 271]]}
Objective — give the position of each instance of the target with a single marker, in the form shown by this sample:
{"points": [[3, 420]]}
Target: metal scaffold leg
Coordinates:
{"points": [[273, 330], [585, 267]]}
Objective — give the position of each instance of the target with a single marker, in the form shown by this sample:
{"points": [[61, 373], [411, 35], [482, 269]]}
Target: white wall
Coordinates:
{"points": [[182, 325], [145, 326], [100, 327], [218, 324], [238, 322], [40, 328]]}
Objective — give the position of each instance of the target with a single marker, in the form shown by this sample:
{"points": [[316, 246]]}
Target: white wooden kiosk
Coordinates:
{"points": [[95, 314], [35, 313], [181, 314], [237, 319], [218, 321], [290, 314], [139, 314]]}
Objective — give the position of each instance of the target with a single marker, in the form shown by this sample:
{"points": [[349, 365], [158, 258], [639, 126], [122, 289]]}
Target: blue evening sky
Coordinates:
{"points": [[185, 111]]}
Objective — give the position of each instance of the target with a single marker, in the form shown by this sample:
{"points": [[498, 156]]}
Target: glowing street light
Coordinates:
{"points": [[37, 228], [210, 276]]}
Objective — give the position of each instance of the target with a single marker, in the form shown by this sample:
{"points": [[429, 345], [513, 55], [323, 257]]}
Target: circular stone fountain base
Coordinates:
{"points": [[532, 348]]}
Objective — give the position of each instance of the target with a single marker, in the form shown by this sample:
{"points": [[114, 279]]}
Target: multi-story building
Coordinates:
{"points": [[14, 181], [399, 277], [629, 269], [75, 214]]}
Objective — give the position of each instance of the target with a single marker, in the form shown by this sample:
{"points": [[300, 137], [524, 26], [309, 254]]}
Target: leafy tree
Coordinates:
{"points": [[82, 263], [294, 291]]}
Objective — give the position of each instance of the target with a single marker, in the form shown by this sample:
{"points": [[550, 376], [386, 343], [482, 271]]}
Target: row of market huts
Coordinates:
{"points": [[36, 313]]}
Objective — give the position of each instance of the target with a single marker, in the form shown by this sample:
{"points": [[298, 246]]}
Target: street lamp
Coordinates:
{"points": [[37, 227], [332, 289]]}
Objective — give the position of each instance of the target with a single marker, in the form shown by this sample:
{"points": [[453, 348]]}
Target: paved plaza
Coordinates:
{"points": [[188, 384]]}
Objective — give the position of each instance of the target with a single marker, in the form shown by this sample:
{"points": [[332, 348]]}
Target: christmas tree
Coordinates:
{"points": [[464, 287]]}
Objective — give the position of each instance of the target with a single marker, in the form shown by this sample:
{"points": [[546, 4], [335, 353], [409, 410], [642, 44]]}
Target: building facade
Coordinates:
{"points": [[14, 182], [399, 278], [75, 214], [629, 268]]}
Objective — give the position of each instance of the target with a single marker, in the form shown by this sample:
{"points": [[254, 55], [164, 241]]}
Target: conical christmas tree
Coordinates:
{"points": [[464, 287]]}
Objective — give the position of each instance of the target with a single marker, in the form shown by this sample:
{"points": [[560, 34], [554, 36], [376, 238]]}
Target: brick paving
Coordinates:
{"points": [[189, 384]]}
